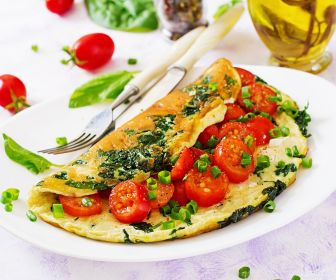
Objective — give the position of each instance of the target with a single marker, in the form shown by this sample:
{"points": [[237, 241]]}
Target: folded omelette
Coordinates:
{"points": [[145, 145]]}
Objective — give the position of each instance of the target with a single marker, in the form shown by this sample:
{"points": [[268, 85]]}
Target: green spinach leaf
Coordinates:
{"points": [[105, 87], [20, 155], [130, 15]]}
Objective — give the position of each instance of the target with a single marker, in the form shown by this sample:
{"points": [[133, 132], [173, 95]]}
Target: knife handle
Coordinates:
{"points": [[214, 33], [160, 65]]}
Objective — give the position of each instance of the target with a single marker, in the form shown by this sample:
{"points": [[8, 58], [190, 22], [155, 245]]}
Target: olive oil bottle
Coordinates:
{"points": [[296, 31]]}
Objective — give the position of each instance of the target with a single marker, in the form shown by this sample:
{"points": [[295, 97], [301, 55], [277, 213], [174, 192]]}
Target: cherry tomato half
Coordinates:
{"points": [[184, 163], [228, 157], [233, 112], [259, 96], [12, 93], [59, 6], [204, 188], [164, 193], [205, 136], [74, 206], [179, 193], [260, 126], [91, 51], [129, 202], [246, 77], [240, 131]]}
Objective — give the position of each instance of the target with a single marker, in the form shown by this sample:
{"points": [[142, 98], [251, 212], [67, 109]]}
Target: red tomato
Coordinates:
{"points": [[228, 156], [233, 112], [164, 193], [129, 202], [184, 163], [237, 130], [59, 6], [105, 193], [180, 194], [204, 137], [260, 98], [204, 188], [74, 207], [260, 126], [246, 77], [91, 51], [12, 93]]}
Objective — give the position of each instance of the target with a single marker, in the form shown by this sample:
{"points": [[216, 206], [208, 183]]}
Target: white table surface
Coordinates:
{"points": [[306, 247]]}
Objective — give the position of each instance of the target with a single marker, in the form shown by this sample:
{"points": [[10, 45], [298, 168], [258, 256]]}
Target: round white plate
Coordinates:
{"points": [[37, 128]]}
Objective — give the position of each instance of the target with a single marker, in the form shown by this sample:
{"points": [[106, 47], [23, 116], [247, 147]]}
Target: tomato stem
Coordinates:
{"points": [[18, 103]]}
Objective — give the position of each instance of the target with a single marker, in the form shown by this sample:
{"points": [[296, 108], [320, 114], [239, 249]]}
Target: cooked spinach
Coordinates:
{"points": [[87, 185], [62, 175], [303, 119], [103, 88], [126, 237], [130, 15], [200, 94], [284, 169], [145, 227], [129, 132], [165, 123], [230, 81], [22, 156], [175, 230], [79, 162], [260, 80]]}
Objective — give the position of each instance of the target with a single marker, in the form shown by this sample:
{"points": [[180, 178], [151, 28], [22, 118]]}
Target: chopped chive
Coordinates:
{"points": [[35, 48], [61, 141], [307, 162], [213, 141], [269, 207], [246, 92], [285, 131], [58, 210], [31, 216], [87, 202], [168, 225], [244, 272], [248, 103], [132, 61], [249, 141], [164, 177], [192, 206], [275, 132], [296, 277], [9, 207], [246, 160], [174, 159], [215, 171], [152, 195], [152, 184]]}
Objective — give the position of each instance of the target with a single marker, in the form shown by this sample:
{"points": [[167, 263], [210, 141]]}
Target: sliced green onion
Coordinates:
{"points": [[14, 192], [192, 206], [248, 103], [58, 210], [87, 202], [275, 98], [263, 162], [168, 225], [198, 145], [275, 132], [246, 92], [164, 177], [175, 213], [173, 203], [184, 215], [31, 216], [6, 197], [61, 141], [281, 164], [269, 207], [244, 272], [296, 152], [205, 158], [213, 141], [285, 131], [289, 108], [35, 48], [213, 86], [289, 152], [249, 141], [174, 159], [246, 160], [307, 162], [201, 165], [152, 195], [9, 207], [132, 61], [215, 171], [296, 277], [165, 210], [152, 184]]}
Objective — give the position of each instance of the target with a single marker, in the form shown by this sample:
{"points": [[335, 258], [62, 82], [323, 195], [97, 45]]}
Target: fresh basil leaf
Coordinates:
{"points": [[105, 87], [130, 15], [20, 155]]}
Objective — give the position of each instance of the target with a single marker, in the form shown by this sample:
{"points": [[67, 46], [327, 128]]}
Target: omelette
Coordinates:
{"points": [[146, 145]]}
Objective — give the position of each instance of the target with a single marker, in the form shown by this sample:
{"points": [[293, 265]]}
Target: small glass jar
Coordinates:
{"points": [[180, 16]]}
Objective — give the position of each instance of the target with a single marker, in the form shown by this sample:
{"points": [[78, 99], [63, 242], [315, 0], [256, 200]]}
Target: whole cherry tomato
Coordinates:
{"points": [[59, 6]]}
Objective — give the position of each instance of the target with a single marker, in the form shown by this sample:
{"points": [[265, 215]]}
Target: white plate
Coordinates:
{"points": [[37, 128]]}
